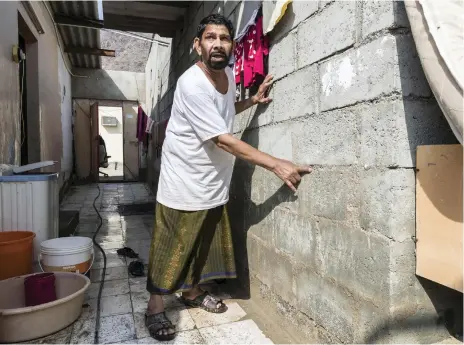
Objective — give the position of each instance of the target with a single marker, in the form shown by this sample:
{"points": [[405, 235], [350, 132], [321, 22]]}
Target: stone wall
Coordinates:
{"points": [[350, 99]]}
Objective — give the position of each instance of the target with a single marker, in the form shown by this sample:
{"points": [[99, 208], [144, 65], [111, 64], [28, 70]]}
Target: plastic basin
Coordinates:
{"points": [[21, 323], [16, 250]]}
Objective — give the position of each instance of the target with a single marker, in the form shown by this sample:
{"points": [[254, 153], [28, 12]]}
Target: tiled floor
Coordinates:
{"points": [[124, 297]]}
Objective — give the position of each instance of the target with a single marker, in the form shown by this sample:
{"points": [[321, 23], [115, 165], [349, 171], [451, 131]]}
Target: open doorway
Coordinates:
{"points": [[27, 55], [111, 132]]}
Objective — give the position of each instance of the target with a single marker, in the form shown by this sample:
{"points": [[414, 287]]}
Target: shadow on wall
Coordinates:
{"points": [[244, 213], [425, 322]]}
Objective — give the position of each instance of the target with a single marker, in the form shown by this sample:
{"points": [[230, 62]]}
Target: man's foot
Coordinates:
{"points": [[204, 301], [160, 327]]}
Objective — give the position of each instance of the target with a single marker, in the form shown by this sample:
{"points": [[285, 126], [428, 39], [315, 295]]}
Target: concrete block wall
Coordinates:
{"points": [[350, 99]]}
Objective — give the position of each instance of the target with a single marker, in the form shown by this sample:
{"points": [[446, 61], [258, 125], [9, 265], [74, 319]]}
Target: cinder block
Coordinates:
{"points": [[355, 259], [294, 236], [323, 3], [371, 322], [282, 56], [276, 141], [276, 272], [326, 303], [388, 202], [268, 191], [330, 192], [258, 221], [296, 12], [329, 138], [386, 65], [331, 30], [296, 95], [391, 131], [254, 117], [379, 15]]}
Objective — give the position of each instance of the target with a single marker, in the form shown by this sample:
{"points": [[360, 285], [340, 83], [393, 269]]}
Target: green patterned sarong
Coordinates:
{"points": [[189, 248]]}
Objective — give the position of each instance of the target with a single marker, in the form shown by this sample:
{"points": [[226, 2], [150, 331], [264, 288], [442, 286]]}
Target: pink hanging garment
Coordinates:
{"points": [[238, 55], [256, 47]]}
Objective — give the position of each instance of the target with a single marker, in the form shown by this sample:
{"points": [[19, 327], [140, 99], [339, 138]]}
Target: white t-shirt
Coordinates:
{"points": [[195, 173]]}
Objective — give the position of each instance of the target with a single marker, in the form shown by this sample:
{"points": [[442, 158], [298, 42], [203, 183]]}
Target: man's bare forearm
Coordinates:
{"points": [[245, 104], [242, 150]]}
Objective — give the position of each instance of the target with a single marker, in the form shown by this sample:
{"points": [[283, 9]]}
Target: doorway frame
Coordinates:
{"points": [[32, 130]]}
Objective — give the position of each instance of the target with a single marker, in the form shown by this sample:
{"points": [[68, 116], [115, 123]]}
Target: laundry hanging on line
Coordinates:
{"points": [[250, 54], [142, 119]]}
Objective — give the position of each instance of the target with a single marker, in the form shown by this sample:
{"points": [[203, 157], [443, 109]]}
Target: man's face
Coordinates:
{"points": [[215, 46]]}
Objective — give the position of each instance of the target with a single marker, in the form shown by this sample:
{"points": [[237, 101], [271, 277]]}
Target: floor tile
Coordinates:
{"points": [[179, 317], [83, 331], [140, 300], [110, 288], [203, 318], [111, 261], [105, 238], [112, 245], [112, 273], [187, 337], [243, 332], [138, 284], [114, 305], [60, 337], [140, 235], [116, 329]]}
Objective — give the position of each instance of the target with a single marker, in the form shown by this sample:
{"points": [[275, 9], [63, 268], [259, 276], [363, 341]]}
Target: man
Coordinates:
{"points": [[192, 240]]}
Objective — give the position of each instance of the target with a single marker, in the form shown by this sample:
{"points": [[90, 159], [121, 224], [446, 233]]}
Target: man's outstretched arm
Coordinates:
{"points": [[287, 171]]}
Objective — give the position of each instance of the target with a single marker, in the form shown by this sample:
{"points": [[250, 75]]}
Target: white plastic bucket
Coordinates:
{"points": [[67, 254]]}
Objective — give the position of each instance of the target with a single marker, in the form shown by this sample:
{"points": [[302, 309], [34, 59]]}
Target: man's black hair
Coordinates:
{"points": [[215, 19]]}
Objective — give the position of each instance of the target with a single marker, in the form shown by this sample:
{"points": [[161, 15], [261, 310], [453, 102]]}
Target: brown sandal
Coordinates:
{"points": [[206, 302], [157, 323]]}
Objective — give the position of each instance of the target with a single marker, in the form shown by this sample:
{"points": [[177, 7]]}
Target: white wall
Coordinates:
{"points": [[113, 136], [64, 79]]}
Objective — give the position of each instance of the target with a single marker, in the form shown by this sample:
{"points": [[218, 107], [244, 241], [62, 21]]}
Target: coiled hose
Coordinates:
{"points": [[102, 282]]}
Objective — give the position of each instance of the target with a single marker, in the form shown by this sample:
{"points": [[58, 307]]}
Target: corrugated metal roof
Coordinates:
{"points": [[77, 36]]}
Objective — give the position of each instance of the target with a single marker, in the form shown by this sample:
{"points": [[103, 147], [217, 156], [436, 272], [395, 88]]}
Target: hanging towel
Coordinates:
{"points": [[256, 47], [247, 15], [273, 11]]}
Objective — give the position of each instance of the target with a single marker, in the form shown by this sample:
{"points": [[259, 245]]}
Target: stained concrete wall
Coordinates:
{"points": [[10, 135], [350, 98], [48, 106], [109, 85]]}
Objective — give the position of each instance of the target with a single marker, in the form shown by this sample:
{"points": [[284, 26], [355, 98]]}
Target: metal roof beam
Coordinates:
{"points": [[90, 51], [78, 21]]}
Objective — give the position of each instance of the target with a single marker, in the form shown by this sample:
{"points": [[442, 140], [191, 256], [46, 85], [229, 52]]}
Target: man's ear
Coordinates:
{"points": [[196, 45]]}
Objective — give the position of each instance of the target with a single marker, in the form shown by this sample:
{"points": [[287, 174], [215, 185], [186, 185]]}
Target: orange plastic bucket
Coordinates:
{"points": [[16, 253]]}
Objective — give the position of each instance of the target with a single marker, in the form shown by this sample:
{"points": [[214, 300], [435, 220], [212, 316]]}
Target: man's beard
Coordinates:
{"points": [[218, 65]]}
